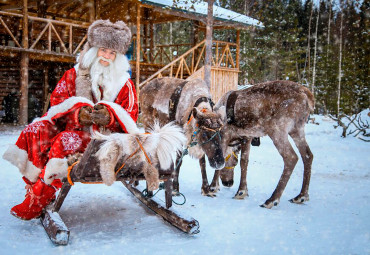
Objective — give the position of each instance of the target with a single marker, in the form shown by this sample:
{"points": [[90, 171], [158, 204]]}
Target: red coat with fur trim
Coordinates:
{"points": [[43, 145]]}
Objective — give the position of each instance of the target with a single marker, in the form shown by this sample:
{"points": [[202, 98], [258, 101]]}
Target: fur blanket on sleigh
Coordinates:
{"points": [[151, 151]]}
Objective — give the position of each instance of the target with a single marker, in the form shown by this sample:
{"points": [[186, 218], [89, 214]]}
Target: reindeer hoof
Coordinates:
{"points": [[241, 194], [300, 199], [269, 204], [214, 189], [208, 193]]}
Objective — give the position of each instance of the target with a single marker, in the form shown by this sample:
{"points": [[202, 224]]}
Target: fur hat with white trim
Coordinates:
{"points": [[114, 36], [101, 33]]}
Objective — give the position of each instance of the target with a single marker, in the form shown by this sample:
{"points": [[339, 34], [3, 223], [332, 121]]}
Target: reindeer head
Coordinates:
{"points": [[207, 127]]}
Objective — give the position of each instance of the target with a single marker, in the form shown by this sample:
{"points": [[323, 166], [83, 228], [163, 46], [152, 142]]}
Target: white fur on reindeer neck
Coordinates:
{"points": [[161, 145]]}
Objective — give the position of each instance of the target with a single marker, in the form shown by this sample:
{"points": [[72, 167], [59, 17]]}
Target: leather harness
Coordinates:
{"points": [[230, 104], [175, 98]]}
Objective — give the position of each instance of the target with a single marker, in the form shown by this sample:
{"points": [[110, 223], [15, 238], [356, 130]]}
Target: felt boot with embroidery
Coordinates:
{"points": [[38, 196]]}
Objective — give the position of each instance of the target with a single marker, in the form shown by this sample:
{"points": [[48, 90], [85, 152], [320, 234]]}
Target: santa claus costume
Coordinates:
{"points": [[43, 147]]}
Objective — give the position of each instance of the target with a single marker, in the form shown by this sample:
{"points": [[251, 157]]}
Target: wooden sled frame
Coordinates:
{"points": [[85, 172]]}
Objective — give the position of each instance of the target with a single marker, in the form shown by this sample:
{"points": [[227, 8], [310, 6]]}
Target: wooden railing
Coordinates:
{"points": [[224, 57], [44, 34]]}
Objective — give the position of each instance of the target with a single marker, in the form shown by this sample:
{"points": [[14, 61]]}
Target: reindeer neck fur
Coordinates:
{"points": [[190, 127]]}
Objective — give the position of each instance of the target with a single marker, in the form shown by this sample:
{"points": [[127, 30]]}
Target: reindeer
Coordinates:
{"points": [[276, 109], [188, 104]]}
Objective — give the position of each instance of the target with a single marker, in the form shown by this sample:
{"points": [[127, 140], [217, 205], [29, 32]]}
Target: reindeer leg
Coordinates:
{"points": [[290, 158], [244, 159], [205, 187], [176, 186], [307, 158], [215, 185]]}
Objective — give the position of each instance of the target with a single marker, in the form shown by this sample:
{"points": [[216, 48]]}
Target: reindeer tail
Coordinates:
{"points": [[169, 139]]}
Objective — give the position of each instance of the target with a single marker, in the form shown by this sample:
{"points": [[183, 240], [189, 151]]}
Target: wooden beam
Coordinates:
{"points": [[138, 46], [23, 102]]}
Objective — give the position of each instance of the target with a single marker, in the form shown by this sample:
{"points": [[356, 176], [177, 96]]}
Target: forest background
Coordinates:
{"points": [[321, 44]]}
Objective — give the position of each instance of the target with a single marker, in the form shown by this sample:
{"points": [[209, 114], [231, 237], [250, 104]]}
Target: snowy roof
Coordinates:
{"points": [[219, 13]]}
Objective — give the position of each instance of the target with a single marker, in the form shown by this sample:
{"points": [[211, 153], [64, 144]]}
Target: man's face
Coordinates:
{"points": [[106, 53]]}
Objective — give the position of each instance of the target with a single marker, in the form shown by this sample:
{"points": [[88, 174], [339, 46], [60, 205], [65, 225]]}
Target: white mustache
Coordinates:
{"points": [[105, 59]]}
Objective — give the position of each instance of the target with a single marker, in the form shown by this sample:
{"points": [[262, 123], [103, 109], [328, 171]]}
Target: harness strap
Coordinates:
{"points": [[124, 163], [230, 104], [174, 101], [142, 148]]}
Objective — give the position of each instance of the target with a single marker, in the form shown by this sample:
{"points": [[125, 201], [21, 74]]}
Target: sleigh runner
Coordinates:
{"points": [[87, 170]]}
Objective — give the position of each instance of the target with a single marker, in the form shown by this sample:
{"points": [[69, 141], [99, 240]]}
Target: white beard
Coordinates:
{"points": [[110, 78]]}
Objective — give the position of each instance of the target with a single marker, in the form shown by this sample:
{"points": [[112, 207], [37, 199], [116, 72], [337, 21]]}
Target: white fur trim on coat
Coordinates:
{"points": [[19, 158], [64, 107], [123, 116], [56, 168]]}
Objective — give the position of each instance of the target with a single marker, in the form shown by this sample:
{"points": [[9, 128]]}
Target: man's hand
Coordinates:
{"points": [[101, 115], [85, 116]]}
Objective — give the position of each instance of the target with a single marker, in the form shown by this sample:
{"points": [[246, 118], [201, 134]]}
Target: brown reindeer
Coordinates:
{"points": [[188, 103], [276, 109]]}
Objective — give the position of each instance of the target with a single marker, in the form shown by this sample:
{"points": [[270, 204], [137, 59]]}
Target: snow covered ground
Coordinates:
{"points": [[109, 220]]}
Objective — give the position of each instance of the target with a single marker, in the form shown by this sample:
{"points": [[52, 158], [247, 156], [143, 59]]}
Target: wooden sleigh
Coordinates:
{"points": [[87, 171]]}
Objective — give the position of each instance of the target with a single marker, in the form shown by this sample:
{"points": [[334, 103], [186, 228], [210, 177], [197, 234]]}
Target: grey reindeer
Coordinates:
{"points": [[187, 103]]}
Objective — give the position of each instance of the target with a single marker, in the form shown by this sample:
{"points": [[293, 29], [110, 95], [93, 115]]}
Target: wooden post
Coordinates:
{"points": [[23, 103], [97, 9], [138, 50], [237, 48], [208, 58], [151, 32], [46, 90], [92, 11]]}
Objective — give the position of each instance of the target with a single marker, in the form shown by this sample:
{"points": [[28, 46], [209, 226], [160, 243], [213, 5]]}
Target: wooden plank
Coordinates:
{"points": [[190, 226]]}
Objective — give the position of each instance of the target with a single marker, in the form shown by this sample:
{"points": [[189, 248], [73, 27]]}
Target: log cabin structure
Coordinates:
{"points": [[39, 41]]}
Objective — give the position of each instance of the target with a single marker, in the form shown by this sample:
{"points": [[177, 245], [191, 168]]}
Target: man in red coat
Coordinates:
{"points": [[97, 94]]}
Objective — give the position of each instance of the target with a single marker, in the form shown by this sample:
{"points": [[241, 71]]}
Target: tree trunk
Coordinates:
{"points": [[315, 52], [327, 51], [308, 54], [340, 63], [208, 58]]}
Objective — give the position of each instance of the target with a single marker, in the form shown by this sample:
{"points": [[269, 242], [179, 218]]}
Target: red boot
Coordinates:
{"points": [[38, 196]]}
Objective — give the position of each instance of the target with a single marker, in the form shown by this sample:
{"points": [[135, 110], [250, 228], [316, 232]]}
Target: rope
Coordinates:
{"points": [[145, 193], [142, 148], [69, 173], [182, 202]]}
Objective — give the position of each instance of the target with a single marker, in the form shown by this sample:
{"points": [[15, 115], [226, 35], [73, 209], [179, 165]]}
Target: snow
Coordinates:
{"points": [[202, 8], [110, 220]]}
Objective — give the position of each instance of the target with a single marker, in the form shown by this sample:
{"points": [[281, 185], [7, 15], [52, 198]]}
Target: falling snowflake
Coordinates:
{"points": [[71, 141], [33, 127], [61, 87]]}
